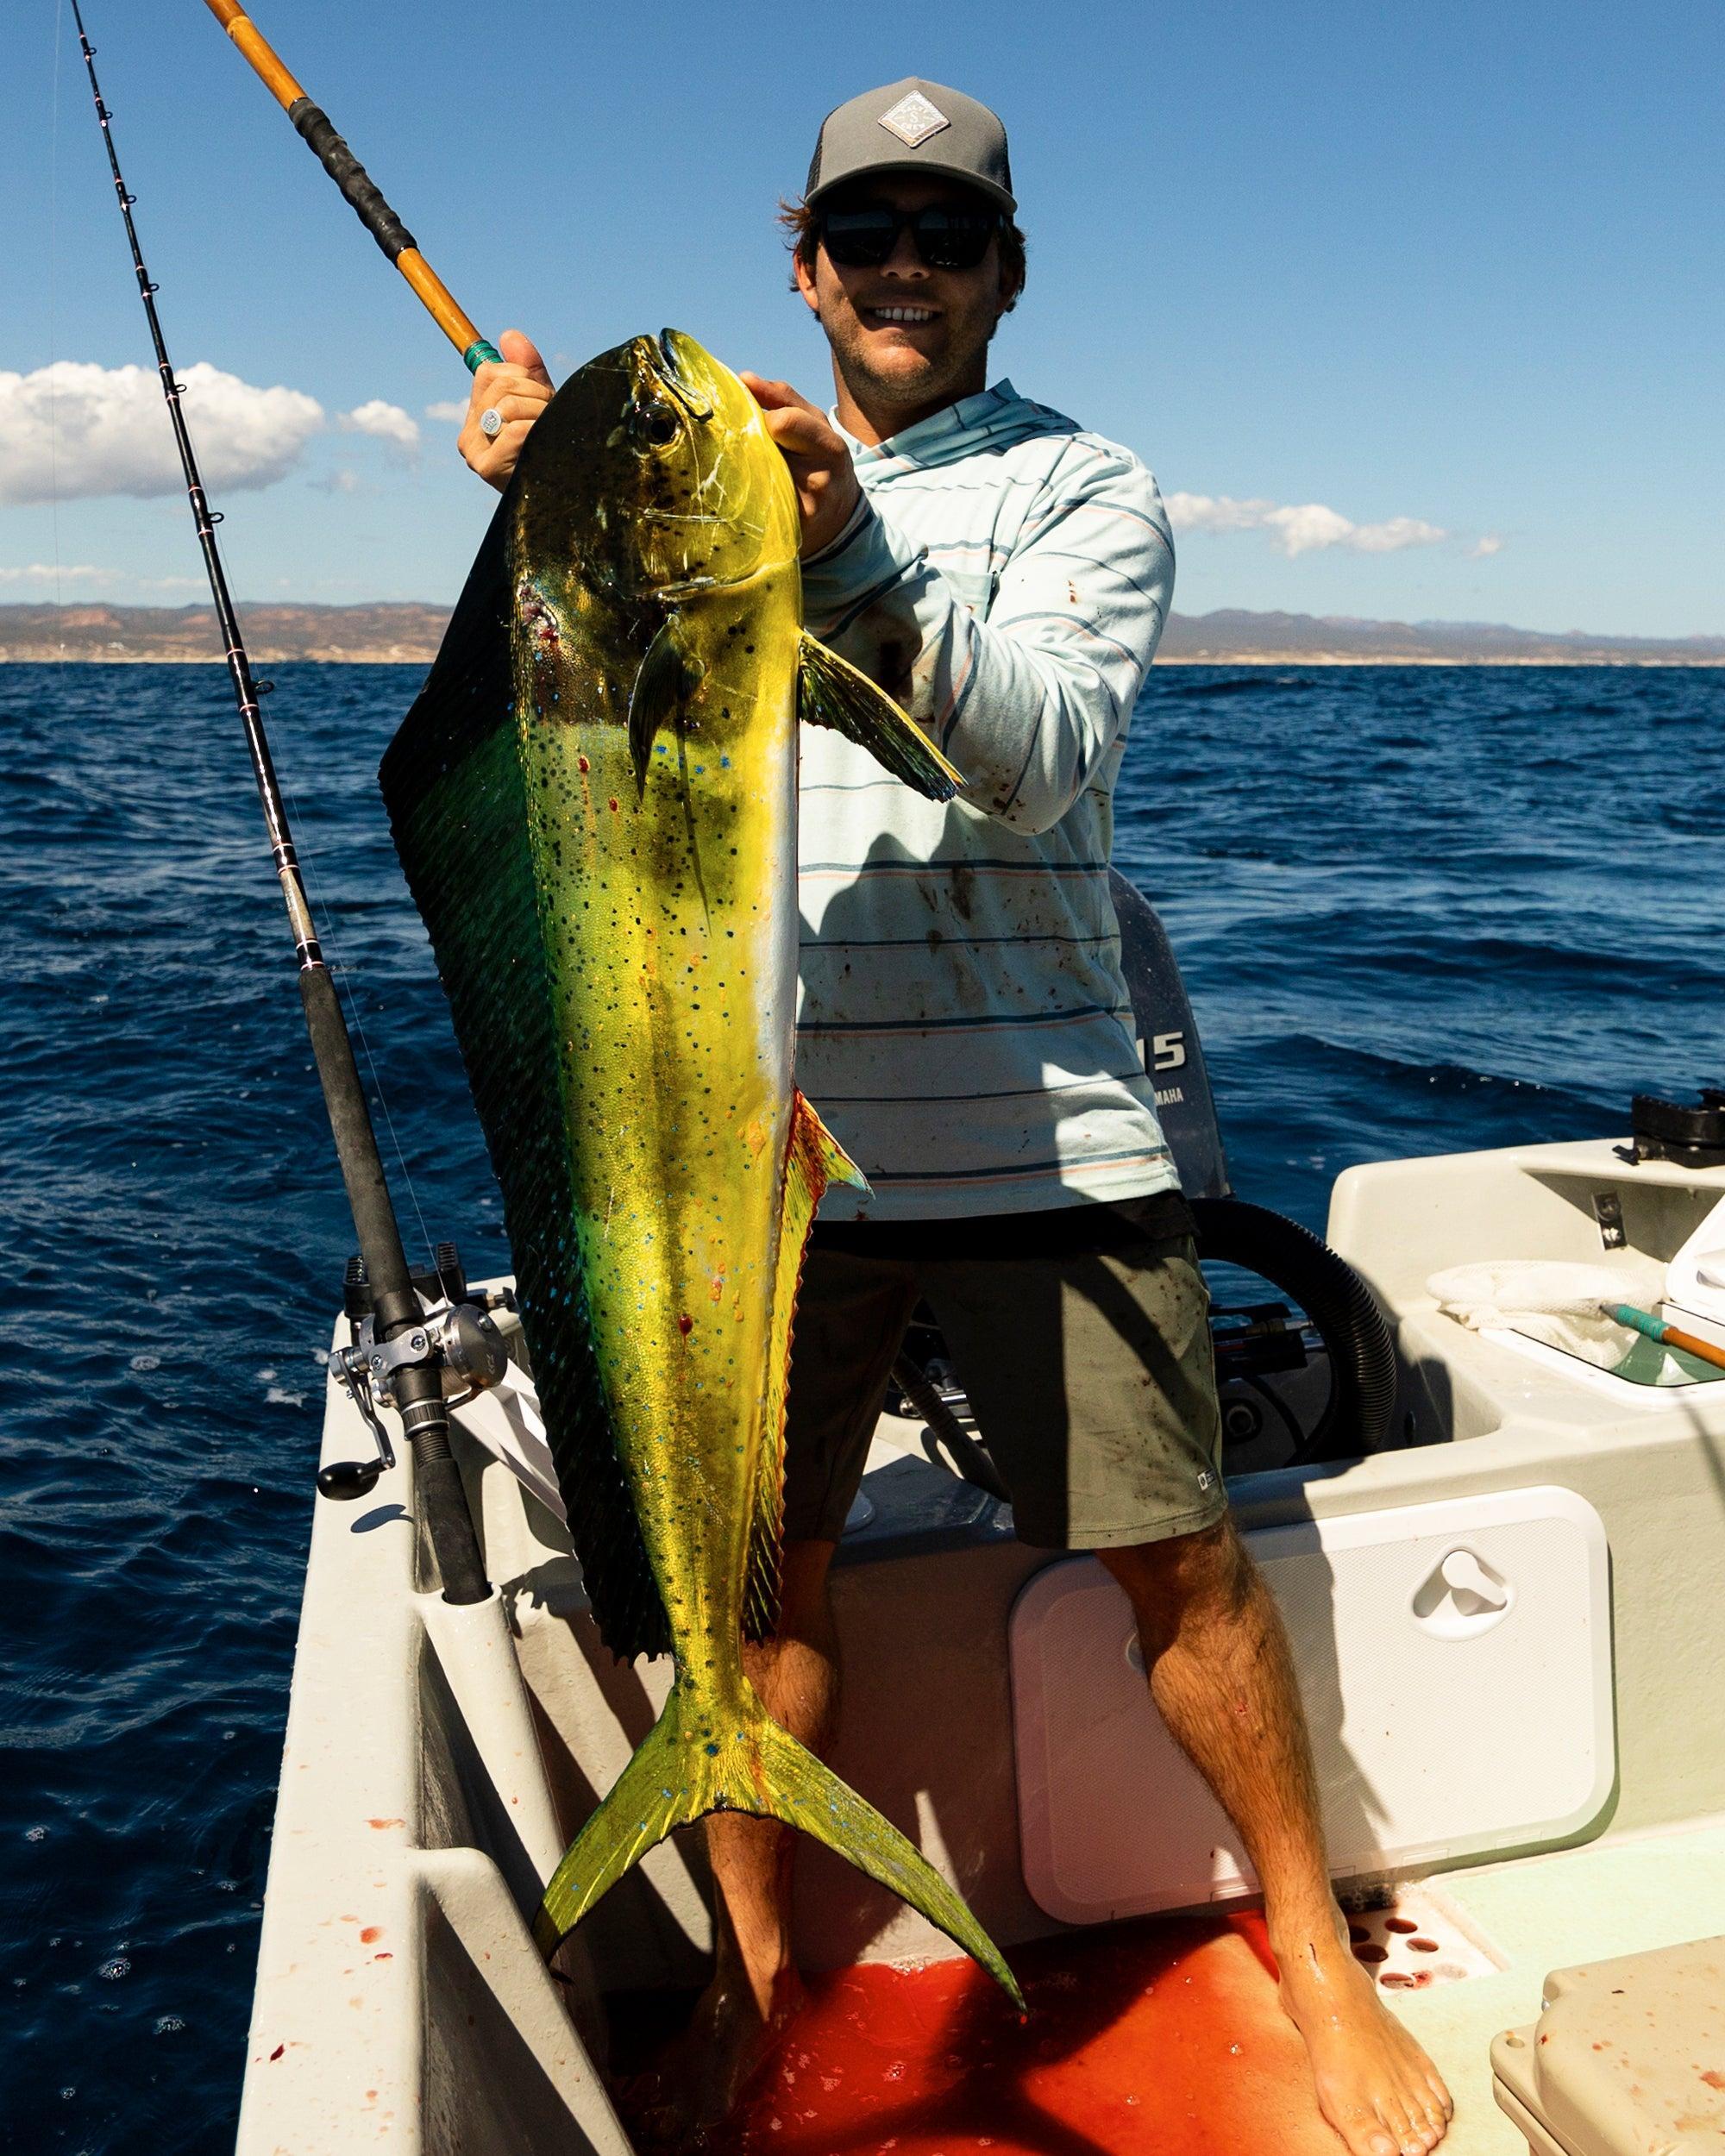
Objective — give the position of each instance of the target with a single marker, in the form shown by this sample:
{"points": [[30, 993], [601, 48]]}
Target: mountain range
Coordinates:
{"points": [[409, 634]]}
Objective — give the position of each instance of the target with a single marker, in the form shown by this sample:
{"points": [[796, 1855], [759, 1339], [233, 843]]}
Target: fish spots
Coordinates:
{"points": [[685, 1325], [583, 764], [377, 1825], [612, 804], [370, 1934], [277, 2052]]}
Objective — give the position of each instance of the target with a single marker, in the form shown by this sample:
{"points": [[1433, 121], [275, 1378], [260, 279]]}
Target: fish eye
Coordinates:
{"points": [[654, 424]]}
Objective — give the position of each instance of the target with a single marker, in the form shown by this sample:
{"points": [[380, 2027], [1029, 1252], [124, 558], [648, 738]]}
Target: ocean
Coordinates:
{"points": [[1418, 910]]}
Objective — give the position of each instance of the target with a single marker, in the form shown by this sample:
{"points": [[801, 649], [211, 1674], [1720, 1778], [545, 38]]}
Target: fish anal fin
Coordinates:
{"points": [[711, 1756], [816, 1156], [668, 675], [832, 692], [813, 1159]]}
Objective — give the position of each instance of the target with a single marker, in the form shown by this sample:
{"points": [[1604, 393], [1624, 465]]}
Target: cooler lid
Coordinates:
{"points": [[1628, 2055]]}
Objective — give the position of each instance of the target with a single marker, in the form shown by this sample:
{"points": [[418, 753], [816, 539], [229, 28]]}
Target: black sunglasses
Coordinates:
{"points": [[945, 237]]}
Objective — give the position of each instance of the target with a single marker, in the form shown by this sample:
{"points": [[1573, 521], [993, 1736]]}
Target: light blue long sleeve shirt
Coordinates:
{"points": [[963, 1023]]}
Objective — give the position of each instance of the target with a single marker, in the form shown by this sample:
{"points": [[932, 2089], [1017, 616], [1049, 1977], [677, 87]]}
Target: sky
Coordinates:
{"points": [[1416, 313]]}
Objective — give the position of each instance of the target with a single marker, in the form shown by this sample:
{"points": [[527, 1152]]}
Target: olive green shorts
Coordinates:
{"points": [[1081, 1336]]}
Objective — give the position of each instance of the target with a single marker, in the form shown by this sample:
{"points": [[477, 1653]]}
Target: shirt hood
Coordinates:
{"points": [[993, 419]]}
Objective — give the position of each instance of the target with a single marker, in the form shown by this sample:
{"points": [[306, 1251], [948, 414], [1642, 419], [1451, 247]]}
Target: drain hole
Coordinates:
{"points": [[1423, 1945], [1400, 1924], [1371, 1953]]}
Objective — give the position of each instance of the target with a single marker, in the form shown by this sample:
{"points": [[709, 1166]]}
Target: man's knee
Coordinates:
{"points": [[1167, 1579]]}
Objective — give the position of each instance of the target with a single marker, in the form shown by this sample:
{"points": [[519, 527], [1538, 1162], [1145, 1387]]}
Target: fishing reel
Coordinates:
{"points": [[457, 1335]]}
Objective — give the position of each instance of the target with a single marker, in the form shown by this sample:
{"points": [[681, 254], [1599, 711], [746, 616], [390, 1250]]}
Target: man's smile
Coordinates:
{"points": [[899, 314]]}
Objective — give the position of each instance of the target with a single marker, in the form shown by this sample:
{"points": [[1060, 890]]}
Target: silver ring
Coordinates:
{"points": [[490, 423]]}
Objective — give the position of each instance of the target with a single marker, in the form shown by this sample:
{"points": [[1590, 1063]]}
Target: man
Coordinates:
{"points": [[965, 1031]]}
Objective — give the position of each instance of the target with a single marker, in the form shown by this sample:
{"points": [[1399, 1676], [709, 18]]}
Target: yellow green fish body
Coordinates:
{"points": [[607, 867]]}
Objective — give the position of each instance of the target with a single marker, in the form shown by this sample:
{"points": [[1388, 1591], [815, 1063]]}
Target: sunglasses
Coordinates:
{"points": [[947, 238]]}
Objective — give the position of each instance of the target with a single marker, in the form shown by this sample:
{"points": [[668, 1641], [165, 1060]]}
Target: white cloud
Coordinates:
{"points": [[340, 481], [451, 414], [46, 573], [76, 428], [1302, 528], [1482, 550], [387, 422]]}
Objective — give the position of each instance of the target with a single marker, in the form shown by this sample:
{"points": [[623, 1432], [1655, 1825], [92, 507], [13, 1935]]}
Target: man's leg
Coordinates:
{"points": [[1220, 1672], [754, 1988]]}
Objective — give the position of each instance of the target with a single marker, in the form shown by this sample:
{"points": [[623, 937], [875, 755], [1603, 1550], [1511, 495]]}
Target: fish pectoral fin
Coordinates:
{"points": [[669, 674], [832, 692]]}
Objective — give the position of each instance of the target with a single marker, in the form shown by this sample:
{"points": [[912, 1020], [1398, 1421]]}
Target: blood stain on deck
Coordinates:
{"points": [[1153, 2039]]}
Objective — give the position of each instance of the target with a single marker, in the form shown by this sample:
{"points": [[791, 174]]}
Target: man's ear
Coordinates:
{"points": [[1011, 286], [804, 274]]}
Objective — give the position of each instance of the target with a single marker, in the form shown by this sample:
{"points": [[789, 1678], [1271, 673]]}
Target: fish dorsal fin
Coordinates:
{"points": [[669, 674], [813, 1159], [457, 802], [832, 692]]}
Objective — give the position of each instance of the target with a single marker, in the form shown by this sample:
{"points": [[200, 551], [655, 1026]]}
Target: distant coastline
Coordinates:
{"points": [[405, 634]]}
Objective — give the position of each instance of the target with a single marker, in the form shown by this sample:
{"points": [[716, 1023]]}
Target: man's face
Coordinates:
{"points": [[904, 335]]}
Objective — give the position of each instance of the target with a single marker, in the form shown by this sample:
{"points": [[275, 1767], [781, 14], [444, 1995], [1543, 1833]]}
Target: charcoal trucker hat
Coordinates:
{"points": [[913, 126]]}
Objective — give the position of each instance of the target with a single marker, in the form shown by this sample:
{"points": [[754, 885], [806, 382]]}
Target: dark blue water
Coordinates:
{"points": [[1418, 910]]}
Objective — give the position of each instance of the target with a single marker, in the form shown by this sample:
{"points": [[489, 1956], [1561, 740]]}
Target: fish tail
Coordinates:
{"points": [[699, 1758], [805, 1793]]}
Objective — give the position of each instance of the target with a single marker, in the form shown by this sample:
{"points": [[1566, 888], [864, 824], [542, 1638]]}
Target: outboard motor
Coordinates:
{"points": [[1167, 1041], [1254, 1342]]}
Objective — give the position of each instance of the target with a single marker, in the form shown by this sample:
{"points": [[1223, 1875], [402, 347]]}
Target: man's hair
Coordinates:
{"points": [[802, 237]]}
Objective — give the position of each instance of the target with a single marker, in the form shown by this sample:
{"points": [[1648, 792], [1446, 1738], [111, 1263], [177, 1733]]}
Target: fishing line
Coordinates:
{"points": [[397, 1342], [53, 325]]}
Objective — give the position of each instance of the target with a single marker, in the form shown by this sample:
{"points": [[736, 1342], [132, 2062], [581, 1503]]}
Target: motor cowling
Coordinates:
{"points": [[1357, 1417]]}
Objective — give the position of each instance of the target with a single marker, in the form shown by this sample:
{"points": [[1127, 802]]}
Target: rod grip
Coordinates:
{"points": [[351, 177]]}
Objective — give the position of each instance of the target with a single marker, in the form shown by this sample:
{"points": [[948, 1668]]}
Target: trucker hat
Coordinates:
{"points": [[913, 126]]}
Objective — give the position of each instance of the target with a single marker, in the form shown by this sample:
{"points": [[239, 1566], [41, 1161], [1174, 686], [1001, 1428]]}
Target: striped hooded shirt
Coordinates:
{"points": [[963, 1024]]}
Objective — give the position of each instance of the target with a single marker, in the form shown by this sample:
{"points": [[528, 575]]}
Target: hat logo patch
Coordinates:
{"points": [[913, 119]]}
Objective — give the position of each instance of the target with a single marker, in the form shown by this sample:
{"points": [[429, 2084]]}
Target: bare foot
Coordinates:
{"points": [[704, 2075], [1375, 2084]]}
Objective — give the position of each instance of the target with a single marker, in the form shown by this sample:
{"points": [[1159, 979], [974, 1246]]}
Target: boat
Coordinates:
{"points": [[1506, 1617]]}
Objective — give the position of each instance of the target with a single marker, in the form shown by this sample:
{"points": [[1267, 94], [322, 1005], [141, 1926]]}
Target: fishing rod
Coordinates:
{"points": [[312, 123], [400, 1353]]}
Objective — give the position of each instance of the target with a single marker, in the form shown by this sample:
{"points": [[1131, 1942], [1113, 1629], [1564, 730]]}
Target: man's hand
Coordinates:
{"points": [[520, 388], [820, 457]]}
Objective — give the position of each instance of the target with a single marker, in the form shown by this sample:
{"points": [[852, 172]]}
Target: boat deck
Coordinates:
{"points": [[430, 1782], [1617, 1896], [1163, 2037]]}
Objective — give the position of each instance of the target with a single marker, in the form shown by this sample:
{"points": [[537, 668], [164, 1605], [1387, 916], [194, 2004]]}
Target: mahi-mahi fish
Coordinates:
{"points": [[594, 798]]}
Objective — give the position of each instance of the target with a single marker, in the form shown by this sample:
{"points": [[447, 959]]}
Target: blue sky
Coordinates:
{"points": [[1448, 271]]}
